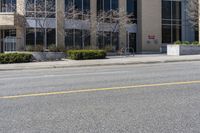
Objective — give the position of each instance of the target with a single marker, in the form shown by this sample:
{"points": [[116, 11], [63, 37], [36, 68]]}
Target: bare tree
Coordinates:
{"points": [[76, 19], [42, 16], [192, 11], [112, 19]]}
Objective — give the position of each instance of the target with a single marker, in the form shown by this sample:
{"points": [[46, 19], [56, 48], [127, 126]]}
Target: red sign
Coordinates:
{"points": [[153, 37]]}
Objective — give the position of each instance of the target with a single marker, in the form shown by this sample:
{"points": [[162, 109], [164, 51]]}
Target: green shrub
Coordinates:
{"points": [[186, 42], [15, 58], [195, 43], [86, 54], [178, 42], [54, 48]]}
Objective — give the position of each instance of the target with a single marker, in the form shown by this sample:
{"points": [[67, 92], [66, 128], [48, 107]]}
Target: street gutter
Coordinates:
{"points": [[26, 66]]}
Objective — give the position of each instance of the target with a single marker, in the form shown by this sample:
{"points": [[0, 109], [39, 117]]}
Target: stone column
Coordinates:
{"points": [[199, 21], [122, 25], [60, 23], [1, 47], [19, 24], [93, 33], [149, 25]]}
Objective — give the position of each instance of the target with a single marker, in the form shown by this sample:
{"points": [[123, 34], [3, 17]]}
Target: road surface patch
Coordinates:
{"points": [[99, 89]]}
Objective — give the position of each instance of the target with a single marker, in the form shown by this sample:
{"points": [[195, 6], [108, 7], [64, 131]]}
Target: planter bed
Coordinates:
{"points": [[183, 50], [46, 56]]}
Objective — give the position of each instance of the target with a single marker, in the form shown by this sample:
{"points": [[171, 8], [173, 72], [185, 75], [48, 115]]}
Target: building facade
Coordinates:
{"points": [[145, 26]]}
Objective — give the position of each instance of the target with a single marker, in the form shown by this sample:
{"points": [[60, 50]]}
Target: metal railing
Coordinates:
{"points": [[126, 51]]}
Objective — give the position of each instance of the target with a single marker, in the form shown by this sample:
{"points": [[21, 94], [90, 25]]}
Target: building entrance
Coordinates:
{"points": [[131, 42], [7, 40]]}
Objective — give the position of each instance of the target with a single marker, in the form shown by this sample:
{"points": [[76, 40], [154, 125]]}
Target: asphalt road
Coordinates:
{"points": [[151, 98]]}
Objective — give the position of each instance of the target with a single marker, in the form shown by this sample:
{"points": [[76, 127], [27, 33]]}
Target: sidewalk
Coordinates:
{"points": [[112, 60]]}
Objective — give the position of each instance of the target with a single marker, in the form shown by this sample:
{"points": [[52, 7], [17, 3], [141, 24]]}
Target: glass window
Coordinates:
{"points": [[100, 39], [104, 8], [68, 3], [78, 5], [132, 10], [40, 8], [171, 21], [108, 40], [69, 9], [30, 5], [166, 34], [77, 39], [10, 33], [115, 40], [40, 5], [86, 39], [7, 5], [36, 36], [30, 8], [107, 6], [39, 37], [166, 10], [115, 4], [176, 8], [30, 36], [176, 33], [69, 39], [86, 5], [99, 5], [50, 8], [196, 35], [51, 37], [132, 42], [81, 7]]}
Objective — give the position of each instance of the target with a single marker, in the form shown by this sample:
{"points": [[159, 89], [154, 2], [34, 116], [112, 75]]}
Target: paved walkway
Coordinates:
{"points": [[112, 60]]}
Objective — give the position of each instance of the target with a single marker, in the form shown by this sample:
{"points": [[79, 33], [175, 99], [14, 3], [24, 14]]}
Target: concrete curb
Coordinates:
{"points": [[95, 64]]}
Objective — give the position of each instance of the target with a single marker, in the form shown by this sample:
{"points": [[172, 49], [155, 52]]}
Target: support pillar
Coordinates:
{"points": [[20, 27], [93, 30], [199, 21], [149, 25], [60, 23], [122, 25]]}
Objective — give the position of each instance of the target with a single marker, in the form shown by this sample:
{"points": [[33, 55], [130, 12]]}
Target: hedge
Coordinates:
{"points": [[187, 43], [86, 54], [15, 58]]}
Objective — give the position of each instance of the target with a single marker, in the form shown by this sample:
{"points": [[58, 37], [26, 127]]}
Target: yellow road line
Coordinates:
{"points": [[100, 89]]}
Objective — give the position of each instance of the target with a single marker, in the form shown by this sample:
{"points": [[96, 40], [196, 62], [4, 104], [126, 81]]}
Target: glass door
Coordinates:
{"points": [[7, 39], [131, 45], [1, 40]]}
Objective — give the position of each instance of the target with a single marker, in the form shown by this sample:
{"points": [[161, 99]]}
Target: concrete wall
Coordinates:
{"points": [[149, 25], [7, 19]]}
